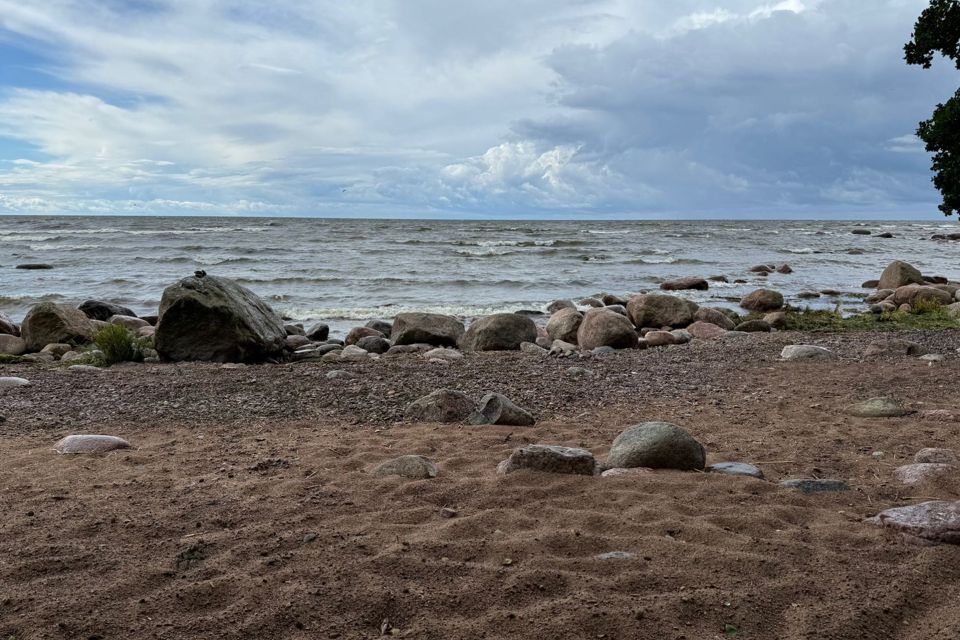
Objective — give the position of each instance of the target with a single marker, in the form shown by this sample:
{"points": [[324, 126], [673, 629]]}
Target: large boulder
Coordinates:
{"points": [[899, 274], [99, 310], [933, 522], [564, 324], [913, 293], [216, 320], [47, 323], [499, 332], [762, 300], [660, 310], [426, 328], [714, 316], [8, 326], [656, 445], [602, 328], [442, 405]]}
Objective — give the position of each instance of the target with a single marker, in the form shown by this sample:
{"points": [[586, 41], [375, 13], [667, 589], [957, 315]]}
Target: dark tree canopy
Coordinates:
{"points": [[938, 31]]}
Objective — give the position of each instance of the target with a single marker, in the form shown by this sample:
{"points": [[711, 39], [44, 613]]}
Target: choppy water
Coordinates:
{"points": [[347, 270]]}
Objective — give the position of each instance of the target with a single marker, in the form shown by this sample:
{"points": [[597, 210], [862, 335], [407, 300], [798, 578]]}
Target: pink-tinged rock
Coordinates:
{"points": [[90, 444], [147, 332], [660, 339], [705, 330], [910, 474], [129, 322], [620, 471], [936, 522]]}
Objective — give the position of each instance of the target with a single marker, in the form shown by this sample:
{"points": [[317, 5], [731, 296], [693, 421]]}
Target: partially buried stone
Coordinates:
{"points": [[615, 555], [496, 408], [90, 444], [910, 474], [936, 522], [658, 445], [415, 467], [442, 405], [339, 374], [941, 456], [735, 469], [806, 352], [11, 381], [549, 458], [579, 372], [878, 408], [617, 472], [805, 485]]}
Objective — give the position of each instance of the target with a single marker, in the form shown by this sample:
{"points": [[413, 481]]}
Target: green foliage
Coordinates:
{"points": [[118, 344], [938, 31], [924, 315], [8, 359]]}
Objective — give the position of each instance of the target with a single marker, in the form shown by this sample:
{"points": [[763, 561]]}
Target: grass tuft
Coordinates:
{"points": [[119, 344], [924, 315]]}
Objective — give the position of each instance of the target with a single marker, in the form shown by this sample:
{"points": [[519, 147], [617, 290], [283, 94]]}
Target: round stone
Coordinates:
{"points": [[657, 445]]}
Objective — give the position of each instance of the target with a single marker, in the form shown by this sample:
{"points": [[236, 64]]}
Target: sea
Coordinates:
{"points": [[345, 272]]}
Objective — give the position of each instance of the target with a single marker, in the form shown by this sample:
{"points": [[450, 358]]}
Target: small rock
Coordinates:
{"points": [[894, 346], [762, 300], [442, 353], [90, 444], [735, 469], [11, 381], [84, 368], [318, 332], [814, 485], [660, 338], [579, 372], [753, 326], [549, 458], [705, 330], [933, 357], [447, 512], [416, 467], [681, 284], [879, 408], [373, 344], [533, 349], [339, 374], [616, 472]]}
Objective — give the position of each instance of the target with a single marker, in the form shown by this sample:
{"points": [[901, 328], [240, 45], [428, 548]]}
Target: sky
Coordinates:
{"points": [[493, 109]]}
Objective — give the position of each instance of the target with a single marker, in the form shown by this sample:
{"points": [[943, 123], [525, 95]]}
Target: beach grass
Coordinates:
{"points": [[119, 344], [924, 315]]}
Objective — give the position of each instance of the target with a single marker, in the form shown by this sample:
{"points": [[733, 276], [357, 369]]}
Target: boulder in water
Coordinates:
{"points": [[899, 274], [762, 300], [660, 310], [100, 310]]}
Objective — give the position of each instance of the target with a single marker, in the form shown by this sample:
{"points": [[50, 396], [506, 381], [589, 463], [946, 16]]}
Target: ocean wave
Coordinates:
{"points": [[801, 251], [670, 260], [612, 232], [388, 311]]}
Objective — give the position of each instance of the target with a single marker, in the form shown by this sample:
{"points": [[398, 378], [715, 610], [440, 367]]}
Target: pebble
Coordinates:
{"points": [[814, 485], [806, 352], [579, 372], [84, 368], [933, 357], [13, 382], [617, 472], [338, 374], [735, 469], [90, 444], [615, 555]]}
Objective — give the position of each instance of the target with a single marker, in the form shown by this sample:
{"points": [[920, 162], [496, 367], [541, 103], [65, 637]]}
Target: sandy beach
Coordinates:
{"points": [[247, 508]]}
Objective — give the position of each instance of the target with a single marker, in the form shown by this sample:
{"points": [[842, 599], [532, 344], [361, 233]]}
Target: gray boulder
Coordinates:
{"points": [[558, 305], [215, 319], [656, 445], [48, 323], [714, 316], [384, 327], [318, 332], [429, 328], [602, 328], [499, 332], [374, 344], [705, 330], [550, 459], [762, 300], [564, 324], [442, 405], [898, 274], [660, 310], [100, 310], [495, 408]]}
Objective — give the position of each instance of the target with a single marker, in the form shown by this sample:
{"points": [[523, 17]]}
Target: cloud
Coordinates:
{"points": [[589, 107]]}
